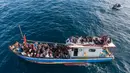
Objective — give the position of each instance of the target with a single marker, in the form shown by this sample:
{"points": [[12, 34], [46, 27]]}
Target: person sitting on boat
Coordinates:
{"points": [[34, 55], [30, 50], [38, 53], [108, 40], [74, 39], [23, 53], [90, 40], [33, 47], [100, 40], [50, 53], [27, 50], [31, 54], [18, 47], [28, 54], [79, 40], [86, 40], [43, 51], [12, 47], [82, 41], [69, 40], [55, 45], [36, 45], [105, 53], [41, 55], [96, 41]]}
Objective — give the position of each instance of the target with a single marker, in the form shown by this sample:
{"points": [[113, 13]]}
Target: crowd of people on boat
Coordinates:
{"points": [[89, 40], [41, 50]]}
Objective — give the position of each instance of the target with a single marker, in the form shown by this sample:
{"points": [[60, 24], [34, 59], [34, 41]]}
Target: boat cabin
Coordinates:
{"points": [[89, 52]]}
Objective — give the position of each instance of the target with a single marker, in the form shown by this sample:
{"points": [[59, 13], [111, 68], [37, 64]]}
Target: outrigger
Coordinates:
{"points": [[76, 50]]}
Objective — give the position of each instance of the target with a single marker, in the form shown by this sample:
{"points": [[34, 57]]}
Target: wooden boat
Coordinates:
{"points": [[76, 50], [67, 54]]}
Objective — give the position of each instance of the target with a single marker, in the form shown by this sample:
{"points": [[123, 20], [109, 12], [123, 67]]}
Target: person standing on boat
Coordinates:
{"points": [[79, 40], [36, 45], [25, 41], [68, 40]]}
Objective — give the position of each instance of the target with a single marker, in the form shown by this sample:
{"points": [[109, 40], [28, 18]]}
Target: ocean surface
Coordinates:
{"points": [[55, 21]]}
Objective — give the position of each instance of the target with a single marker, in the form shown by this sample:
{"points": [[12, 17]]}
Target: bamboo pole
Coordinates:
{"points": [[21, 31]]}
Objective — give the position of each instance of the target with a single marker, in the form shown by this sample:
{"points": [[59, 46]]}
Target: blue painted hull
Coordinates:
{"points": [[63, 61]]}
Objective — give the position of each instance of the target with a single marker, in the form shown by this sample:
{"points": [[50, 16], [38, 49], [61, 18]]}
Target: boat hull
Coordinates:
{"points": [[65, 61]]}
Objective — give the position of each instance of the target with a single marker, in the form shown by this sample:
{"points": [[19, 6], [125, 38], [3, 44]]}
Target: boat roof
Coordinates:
{"points": [[110, 45]]}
